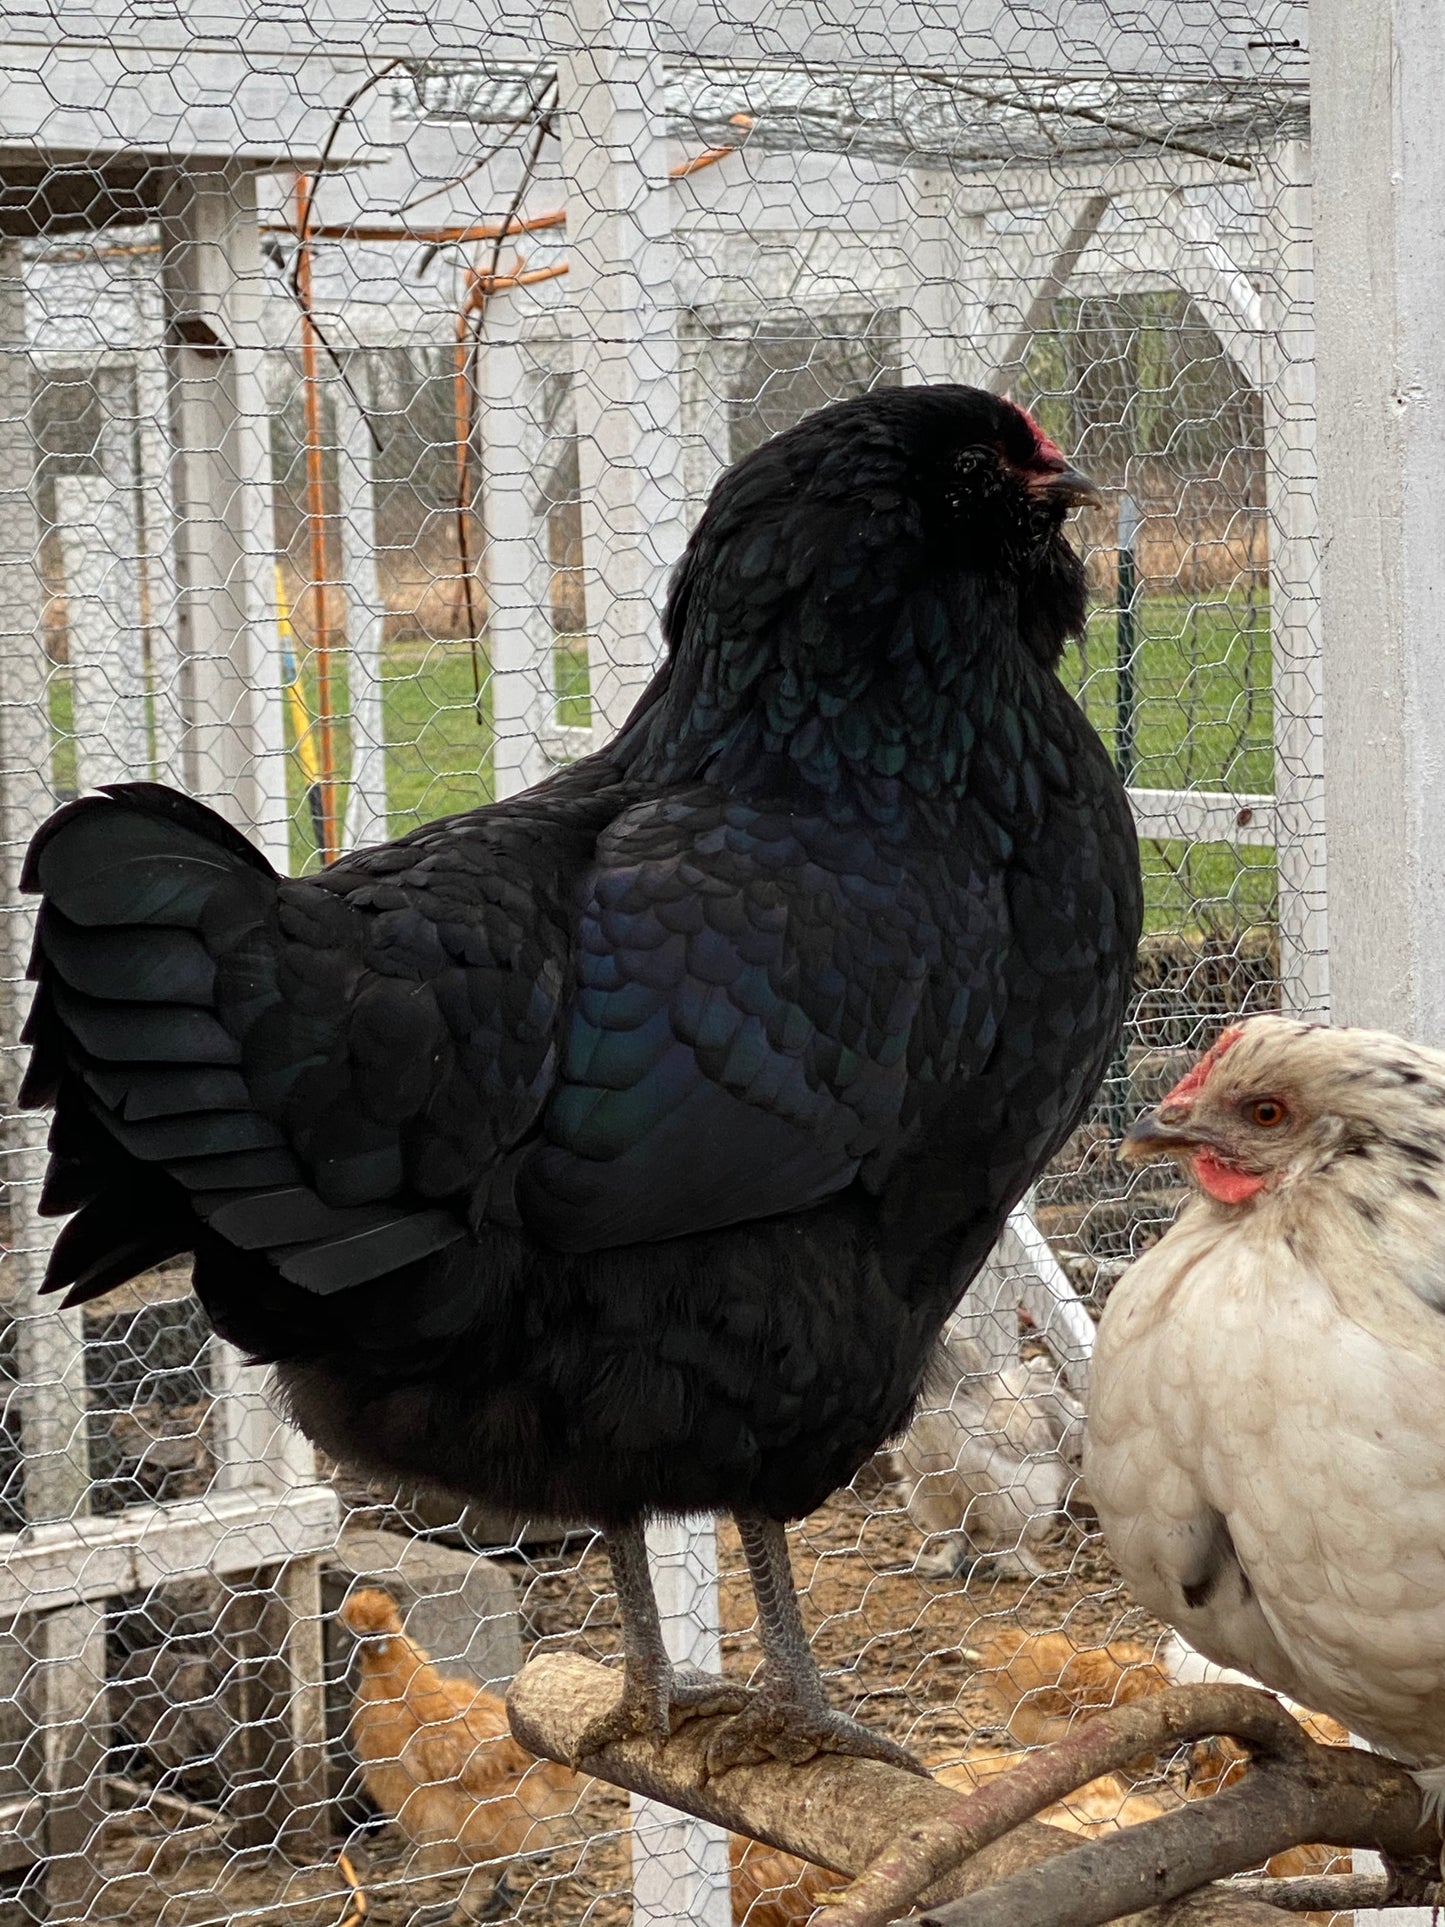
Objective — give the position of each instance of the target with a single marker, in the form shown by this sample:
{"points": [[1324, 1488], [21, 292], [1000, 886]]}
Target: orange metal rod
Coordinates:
{"points": [[490, 230], [316, 526], [434, 236], [473, 299], [710, 156], [480, 287]]}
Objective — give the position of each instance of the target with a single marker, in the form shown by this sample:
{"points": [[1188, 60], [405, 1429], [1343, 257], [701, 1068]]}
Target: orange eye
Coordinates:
{"points": [[1267, 1112]]}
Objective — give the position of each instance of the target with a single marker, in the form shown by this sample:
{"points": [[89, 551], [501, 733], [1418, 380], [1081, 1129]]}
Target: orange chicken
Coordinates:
{"points": [[1043, 1682], [436, 1754], [774, 1889]]}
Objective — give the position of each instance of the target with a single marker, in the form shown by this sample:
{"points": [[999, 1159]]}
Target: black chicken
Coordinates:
{"points": [[620, 1149]]}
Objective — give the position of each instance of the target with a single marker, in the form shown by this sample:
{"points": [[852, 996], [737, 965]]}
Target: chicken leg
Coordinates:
{"points": [[656, 1695], [787, 1718]]}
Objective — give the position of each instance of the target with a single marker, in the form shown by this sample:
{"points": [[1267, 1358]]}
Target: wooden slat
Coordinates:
{"points": [[1205, 816], [50, 1566], [67, 1696]]}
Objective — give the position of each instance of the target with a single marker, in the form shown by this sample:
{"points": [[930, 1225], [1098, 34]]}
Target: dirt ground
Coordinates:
{"points": [[894, 1646]]}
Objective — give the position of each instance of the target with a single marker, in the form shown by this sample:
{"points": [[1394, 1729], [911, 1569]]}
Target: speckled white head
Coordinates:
{"points": [[1277, 1103]]}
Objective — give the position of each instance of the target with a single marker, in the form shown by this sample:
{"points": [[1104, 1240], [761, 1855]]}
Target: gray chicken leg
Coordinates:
{"points": [[656, 1695], [786, 1718]]}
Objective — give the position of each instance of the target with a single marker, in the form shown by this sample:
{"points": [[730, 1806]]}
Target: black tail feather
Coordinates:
{"points": [[107, 1243], [158, 949], [126, 1045]]}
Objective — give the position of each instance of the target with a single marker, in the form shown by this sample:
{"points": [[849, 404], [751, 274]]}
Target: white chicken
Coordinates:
{"points": [[987, 1465], [1266, 1430]]}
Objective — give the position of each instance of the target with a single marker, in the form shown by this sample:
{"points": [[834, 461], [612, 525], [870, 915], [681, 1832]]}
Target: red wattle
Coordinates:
{"points": [[1225, 1181]]}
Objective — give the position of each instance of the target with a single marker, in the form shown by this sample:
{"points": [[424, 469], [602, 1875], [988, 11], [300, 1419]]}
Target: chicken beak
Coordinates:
{"points": [[1069, 486], [1163, 1133]]}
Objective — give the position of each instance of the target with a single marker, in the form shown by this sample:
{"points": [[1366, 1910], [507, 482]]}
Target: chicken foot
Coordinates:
{"points": [[656, 1695], [788, 1717]]}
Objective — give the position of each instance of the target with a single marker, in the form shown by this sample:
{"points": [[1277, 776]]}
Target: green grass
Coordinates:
{"points": [[1206, 889], [438, 735], [574, 682], [1204, 720], [438, 732], [61, 695]]}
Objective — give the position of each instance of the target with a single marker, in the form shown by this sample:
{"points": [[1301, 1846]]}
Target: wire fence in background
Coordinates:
{"points": [[362, 371]]}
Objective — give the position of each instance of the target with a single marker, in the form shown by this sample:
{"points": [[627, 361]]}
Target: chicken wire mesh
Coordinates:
{"points": [[363, 371]]}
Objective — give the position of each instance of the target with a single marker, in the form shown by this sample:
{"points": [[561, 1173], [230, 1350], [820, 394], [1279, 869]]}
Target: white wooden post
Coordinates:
{"points": [[52, 1370], [947, 325], [1288, 382], [515, 561], [621, 284], [929, 322], [680, 1874], [158, 551], [1378, 68], [1379, 168], [256, 1448], [68, 1680], [99, 552], [628, 401], [233, 753], [366, 811]]}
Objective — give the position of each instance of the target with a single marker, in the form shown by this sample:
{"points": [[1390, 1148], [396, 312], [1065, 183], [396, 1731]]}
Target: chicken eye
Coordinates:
{"points": [[1267, 1112]]}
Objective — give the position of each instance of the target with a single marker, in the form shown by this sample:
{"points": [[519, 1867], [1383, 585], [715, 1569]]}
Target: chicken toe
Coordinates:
{"points": [[776, 1728], [654, 1702], [789, 1717]]}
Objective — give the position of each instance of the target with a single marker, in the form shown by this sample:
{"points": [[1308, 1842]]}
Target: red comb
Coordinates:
{"points": [[1049, 453], [1194, 1080]]}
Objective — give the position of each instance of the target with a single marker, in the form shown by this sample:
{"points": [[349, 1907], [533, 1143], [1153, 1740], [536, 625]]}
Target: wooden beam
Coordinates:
{"points": [[1205, 816], [73, 1561], [1039, 314], [623, 290], [1378, 151]]}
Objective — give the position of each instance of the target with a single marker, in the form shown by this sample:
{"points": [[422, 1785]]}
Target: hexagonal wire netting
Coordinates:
{"points": [[363, 369]]}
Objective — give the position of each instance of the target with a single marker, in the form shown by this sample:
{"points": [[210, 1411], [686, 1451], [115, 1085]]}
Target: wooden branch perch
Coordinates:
{"points": [[892, 1884], [1330, 1893], [1295, 1791], [840, 1813]]}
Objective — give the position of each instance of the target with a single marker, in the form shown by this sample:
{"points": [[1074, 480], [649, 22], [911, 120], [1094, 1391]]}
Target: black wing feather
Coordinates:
{"points": [[756, 1023]]}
